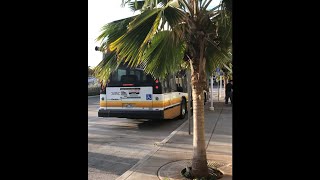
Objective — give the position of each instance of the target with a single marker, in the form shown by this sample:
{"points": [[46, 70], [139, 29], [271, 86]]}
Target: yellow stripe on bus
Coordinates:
{"points": [[154, 104], [175, 101], [103, 104], [172, 112]]}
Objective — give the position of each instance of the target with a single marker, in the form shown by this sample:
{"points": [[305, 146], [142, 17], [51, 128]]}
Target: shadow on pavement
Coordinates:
{"points": [[110, 164]]}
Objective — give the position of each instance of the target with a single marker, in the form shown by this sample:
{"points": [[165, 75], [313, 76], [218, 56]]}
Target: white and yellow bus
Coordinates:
{"points": [[130, 93]]}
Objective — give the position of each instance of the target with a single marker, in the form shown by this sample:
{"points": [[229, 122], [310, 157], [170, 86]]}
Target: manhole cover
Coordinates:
{"points": [[171, 171]]}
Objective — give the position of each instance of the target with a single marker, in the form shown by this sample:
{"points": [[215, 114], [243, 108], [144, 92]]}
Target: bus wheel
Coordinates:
{"points": [[183, 109]]}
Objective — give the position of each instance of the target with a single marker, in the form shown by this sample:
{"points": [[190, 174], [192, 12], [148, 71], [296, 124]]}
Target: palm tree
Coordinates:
{"points": [[164, 37]]}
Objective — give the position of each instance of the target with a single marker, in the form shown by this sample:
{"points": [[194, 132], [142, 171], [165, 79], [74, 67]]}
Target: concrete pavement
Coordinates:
{"points": [[175, 152]]}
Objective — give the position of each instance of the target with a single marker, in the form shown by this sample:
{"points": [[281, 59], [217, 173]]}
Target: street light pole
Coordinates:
{"points": [[189, 99], [220, 87], [211, 108]]}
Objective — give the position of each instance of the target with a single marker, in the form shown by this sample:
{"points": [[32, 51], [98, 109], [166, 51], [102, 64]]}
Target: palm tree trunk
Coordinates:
{"points": [[199, 160], [198, 82]]}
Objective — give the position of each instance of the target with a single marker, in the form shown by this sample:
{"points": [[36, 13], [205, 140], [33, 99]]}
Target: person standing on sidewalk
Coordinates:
{"points": [[229, 89]]}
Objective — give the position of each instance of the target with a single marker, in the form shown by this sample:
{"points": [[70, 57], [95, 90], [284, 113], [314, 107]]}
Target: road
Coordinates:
{"points": [[116, 144]]}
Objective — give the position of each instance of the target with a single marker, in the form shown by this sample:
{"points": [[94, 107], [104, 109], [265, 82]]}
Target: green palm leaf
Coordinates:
{"points": [[112, 31], [136, 5], [132, 44], [164, 55], [216, 58], [108, 64], [175, 18]]}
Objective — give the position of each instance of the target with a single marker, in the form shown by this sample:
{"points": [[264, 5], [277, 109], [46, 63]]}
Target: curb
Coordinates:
{"points": [[152, 152]]}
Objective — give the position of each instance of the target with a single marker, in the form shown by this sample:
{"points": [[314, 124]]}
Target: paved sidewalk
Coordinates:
{"points": [[175, 152]]}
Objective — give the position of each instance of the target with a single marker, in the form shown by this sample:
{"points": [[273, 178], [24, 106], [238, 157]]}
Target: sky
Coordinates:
{"points": [[101, 12]]}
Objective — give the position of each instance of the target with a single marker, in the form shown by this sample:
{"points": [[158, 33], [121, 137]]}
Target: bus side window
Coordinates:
{"points": [[165, 86], [179, 88], [149, 79], [173, 87], [179, 83], [144, 77], [168, 84], [184, 83], [138, 74], [162, 86]]}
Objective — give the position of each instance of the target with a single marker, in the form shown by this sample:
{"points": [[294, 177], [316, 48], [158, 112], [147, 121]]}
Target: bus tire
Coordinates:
{"points": [[183, 109]]}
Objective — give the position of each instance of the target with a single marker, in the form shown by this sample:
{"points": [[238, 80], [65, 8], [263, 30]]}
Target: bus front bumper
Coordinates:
{"points": [[134, 114]]}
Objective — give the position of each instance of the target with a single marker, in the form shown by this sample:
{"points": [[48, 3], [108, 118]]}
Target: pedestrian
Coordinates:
{"points": [[228, 92]]}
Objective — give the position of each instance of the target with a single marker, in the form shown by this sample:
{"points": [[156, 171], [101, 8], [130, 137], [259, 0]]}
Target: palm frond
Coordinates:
{"points": [[132, 44], [112, 31], [142, 40], [228, 67], [227, 4], [174, 16], [215, 10], [176, 19], [186, 6], [205, 5], [151, 4], [124, 2], [216, 58], [108, 64], [164, 55], [142, 18], [202, 3], [136, 5], [153, 29]]}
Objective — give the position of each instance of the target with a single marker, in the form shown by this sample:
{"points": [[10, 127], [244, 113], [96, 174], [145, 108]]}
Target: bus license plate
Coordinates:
{"points": [[128, 105]]}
